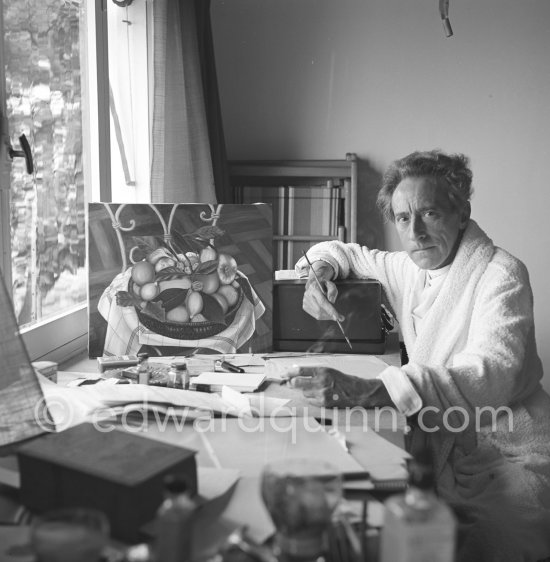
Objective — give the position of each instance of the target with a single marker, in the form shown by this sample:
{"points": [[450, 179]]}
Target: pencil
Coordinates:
{"points": [[324, 293], [230, 367]]}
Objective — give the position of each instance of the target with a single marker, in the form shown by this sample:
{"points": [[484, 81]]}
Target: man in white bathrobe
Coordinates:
{"points": [[471, 387]]}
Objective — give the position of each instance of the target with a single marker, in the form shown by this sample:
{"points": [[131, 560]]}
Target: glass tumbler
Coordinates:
{"points": [[69, 535], [301, 495]]}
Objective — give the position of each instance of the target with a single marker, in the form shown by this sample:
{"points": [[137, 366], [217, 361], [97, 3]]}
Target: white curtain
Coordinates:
{"points": [[181, 168]]}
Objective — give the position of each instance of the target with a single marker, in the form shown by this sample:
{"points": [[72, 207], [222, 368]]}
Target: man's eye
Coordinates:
{"points": [[402, 219], [430, 214]]}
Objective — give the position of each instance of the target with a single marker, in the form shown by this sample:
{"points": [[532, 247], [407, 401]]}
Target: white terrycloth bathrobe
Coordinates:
{"points": [[475, 348]]}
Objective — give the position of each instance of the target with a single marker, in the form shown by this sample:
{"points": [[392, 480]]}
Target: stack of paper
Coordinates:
{"points": [[71, 406]]}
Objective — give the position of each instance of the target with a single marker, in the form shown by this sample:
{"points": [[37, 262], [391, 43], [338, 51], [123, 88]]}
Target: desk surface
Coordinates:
{"points": [[242, 504], [82, 363], [388, 424]]}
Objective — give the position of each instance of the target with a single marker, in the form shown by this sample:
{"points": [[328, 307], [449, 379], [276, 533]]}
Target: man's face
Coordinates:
{"points": [[427, 225]]}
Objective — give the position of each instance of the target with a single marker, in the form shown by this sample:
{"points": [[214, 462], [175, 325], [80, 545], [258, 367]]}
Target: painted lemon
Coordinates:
{"points": [[136, 289], [149, 291], [179, 283], [230, 294], [178, 314], [194, 303]]}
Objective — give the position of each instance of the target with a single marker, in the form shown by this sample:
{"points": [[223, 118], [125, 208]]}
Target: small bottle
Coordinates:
{"points": [[418, 526], [172, 376], [178, 376], [174, 522], [143, 373]]}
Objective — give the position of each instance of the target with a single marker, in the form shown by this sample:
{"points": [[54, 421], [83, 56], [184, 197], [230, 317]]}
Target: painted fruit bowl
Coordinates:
{"points": [[186, 297]]}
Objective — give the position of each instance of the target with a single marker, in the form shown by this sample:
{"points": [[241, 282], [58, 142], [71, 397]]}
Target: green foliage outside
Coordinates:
{"points": [[43, 82]]}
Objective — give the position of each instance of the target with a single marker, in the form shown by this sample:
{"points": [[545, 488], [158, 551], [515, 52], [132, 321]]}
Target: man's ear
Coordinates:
{"points": [[465, 214]]}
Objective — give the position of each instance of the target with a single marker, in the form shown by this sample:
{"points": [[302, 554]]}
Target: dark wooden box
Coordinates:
{"points": [[117, 472]]}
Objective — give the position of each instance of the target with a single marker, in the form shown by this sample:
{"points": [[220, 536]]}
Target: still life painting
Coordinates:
{"points": [[177, 279]]}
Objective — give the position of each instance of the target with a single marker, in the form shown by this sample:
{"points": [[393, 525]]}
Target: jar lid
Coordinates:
{"points": [[179, 366]]}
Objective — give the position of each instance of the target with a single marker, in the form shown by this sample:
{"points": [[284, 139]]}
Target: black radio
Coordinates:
{"points": [[359, 300]]}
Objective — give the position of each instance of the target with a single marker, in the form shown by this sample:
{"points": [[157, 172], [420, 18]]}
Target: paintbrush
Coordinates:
{"points": [[325, 293]]}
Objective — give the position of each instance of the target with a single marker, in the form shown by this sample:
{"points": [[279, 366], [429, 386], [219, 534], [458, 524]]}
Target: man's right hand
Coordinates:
{"points": [[316, 303]]}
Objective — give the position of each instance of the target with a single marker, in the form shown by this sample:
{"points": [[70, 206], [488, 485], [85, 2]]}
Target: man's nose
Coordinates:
{"points": [[418, 228]]}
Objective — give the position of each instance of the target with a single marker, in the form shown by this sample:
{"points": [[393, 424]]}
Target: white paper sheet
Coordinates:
{"points": [[363, 366], [382, 459], [248, 444], [243, 382], [246, 360], [239, 401], [215, 482], [70, 406]]}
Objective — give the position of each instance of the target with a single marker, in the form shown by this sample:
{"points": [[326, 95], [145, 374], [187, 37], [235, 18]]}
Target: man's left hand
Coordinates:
{"points": [[331, 388]]}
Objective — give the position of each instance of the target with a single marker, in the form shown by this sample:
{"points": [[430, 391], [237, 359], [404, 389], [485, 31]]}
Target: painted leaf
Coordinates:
{"points": [[247, 289], [124, 298], [155, 310], [146, 244], [209, 232], [207, 267], [212, 310], [171, 272], [171, 298]]}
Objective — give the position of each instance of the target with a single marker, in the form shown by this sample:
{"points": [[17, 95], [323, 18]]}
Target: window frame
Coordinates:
{"points": [[66, 335], [5, 233]]}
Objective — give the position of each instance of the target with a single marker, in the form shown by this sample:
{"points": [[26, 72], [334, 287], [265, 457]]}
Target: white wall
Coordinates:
{"points": [[319, 78]]}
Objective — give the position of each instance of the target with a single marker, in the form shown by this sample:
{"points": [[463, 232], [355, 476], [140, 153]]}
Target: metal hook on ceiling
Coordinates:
{"points": [[444, 13]]}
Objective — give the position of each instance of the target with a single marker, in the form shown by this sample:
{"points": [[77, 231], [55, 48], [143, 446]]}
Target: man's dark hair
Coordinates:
{"points": [[453, 168]]}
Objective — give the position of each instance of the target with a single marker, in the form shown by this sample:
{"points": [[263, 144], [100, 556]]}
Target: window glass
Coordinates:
{"points": [[129, 76], [43, 69]]}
